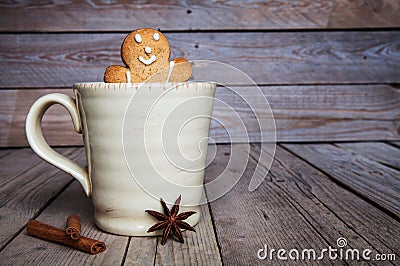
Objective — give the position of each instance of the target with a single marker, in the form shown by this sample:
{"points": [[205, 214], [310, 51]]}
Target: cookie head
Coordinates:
{"points": [[146, 53], [145, 48]]}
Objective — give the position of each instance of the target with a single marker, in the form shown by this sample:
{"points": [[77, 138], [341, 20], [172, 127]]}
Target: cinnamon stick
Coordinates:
{"points": [[73, 226], [50, 233]]}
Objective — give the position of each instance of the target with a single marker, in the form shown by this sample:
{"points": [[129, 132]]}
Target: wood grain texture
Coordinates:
{"points": [[183, 15], [59, 60], [379, 152], [331, 206], [5, 152], [302, 113], [295, 207], [27, 250], [200, 247], [310, 113], [57, 124], [27, 184], [141, 251], [364, 176], [245, 221]]}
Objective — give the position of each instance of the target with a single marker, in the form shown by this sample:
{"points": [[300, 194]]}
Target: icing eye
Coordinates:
{"points": [[138, 38], [156, 36]]}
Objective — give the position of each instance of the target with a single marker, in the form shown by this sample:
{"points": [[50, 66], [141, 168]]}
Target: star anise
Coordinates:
{"points": [[171, 221]]}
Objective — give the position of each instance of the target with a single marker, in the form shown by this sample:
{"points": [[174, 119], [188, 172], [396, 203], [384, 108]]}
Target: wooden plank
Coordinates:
{"points": [[362, 221], [180, 15], [302, 113], [245, 221], [27, 184], [200, 248], [377, 13], [16, 165], [364, 176], [295, 207], [22, 163], [146, 246], [57, 124], [59, 60], [6, 152], [377, 151], [311, 113], [296, 204], [27, 250]]}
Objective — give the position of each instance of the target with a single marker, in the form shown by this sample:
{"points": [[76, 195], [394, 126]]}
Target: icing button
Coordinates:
{"points": [[147, 49]]}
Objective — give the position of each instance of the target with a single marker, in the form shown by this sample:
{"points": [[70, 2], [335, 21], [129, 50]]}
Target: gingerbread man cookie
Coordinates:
{"points": [[146, 53]]}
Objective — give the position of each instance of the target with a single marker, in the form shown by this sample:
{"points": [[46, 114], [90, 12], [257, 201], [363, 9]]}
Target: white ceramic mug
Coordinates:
{"points": [[124, 131]]}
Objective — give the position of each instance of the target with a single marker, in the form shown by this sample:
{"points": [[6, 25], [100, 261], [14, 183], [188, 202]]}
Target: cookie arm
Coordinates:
{"points": [[182, 70], [115, 74]]}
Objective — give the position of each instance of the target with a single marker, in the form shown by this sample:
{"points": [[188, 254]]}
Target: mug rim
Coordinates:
{"points": [[139, 84]]}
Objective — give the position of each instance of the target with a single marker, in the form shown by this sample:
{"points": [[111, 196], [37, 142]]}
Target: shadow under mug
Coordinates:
{"points": [[143, 141]]}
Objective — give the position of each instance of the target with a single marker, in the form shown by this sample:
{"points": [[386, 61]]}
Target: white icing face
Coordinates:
{"points": [[147, 49], [148, 61], [138, 38]]}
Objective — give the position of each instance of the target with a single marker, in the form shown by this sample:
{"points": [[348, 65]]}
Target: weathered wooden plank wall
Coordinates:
{"points": [[125, 15], [330, 69], [55, 59], [366, 112]]}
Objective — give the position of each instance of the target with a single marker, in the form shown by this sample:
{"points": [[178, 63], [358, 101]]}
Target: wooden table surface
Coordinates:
{"points": [[313, 195]]}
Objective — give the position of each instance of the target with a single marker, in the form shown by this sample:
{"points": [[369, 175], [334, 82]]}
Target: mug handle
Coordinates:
{"points": [[39, 145]]}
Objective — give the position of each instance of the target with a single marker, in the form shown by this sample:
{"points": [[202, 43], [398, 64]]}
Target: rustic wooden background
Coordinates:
{"points": [[330, 68]]}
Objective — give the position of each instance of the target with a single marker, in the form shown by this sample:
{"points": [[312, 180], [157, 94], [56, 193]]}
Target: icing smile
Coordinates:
{"points": [[148, 61]]}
